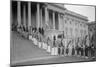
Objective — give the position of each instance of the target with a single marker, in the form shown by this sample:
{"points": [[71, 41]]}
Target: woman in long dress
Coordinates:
{"points": [[70, 48]]}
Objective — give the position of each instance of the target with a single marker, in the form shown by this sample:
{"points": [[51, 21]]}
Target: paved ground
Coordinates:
{"points": [[24, 52], [54, 60]]}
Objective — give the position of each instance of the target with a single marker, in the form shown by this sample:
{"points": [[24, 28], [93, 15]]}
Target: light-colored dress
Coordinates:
{"points": [[70, 50]]}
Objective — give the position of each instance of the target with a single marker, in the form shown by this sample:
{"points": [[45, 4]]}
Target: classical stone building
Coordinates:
{"points": [[55, 19], [75, 25], [44, 15]]}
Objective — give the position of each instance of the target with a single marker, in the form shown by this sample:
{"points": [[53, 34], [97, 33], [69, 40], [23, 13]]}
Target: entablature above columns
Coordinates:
{"points": [[55, 9]]}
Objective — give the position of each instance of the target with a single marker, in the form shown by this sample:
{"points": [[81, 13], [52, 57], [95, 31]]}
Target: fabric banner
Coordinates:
{"points": [[39, 44], [35, 41], [48, 49], [56, 50], [30, 37], [52, 51], [43, 45]]}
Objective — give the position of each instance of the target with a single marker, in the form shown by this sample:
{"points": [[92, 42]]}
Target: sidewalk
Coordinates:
{"points": [[53, 60]]}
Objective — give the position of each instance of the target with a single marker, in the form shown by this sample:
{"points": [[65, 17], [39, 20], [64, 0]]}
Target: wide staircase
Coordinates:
{"points": [[25, 50]]}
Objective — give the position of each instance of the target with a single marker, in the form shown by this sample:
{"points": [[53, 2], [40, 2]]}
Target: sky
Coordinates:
{"points": [[88, 11]]}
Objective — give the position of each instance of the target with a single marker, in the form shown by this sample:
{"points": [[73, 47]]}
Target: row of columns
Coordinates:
{"points": [[39, 15], [24, 14], [59, 20], [29, 14], [53, 15]]}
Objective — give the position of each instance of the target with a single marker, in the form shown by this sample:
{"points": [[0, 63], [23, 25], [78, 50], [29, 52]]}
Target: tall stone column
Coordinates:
{"points": [[38, 15], [63, 22], [53, 20], [19, 13], [24, 16], [46, 16], [59, 20], [29, 15], [41, 19]]}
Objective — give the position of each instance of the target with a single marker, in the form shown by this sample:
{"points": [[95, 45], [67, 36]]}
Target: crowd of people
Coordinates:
{"points": [[73, 47]]}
